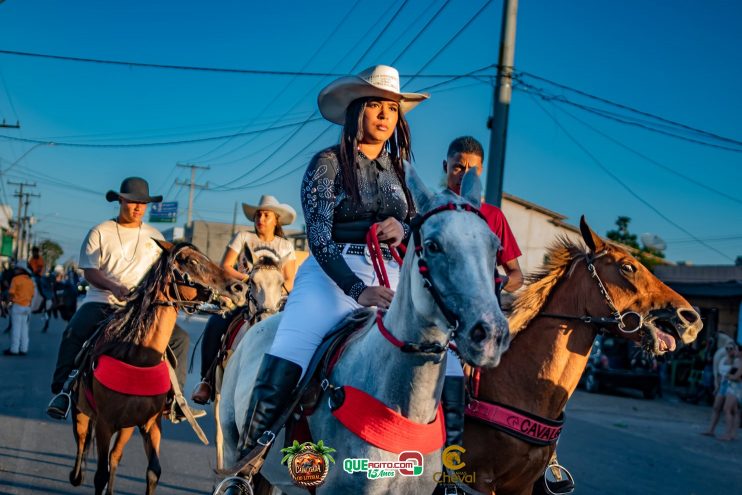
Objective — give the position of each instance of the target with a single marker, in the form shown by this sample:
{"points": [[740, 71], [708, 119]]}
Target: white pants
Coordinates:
{"points": [[19, 328], [317, 304]]}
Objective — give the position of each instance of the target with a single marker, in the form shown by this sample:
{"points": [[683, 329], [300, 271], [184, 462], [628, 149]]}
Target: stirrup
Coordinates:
{"points": [[558, 486], [244, 485], [66, 412]]}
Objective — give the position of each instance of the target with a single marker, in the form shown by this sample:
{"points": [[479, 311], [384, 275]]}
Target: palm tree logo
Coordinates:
{"points": [[308, 463]]}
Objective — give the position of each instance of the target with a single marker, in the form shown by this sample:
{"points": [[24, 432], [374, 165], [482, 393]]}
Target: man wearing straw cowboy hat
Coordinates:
{"points": [[115, 256], [269, 216]]}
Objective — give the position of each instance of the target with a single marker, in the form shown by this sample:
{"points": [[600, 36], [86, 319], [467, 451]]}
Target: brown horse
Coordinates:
{"points": [[138, 335], [552, 336]]}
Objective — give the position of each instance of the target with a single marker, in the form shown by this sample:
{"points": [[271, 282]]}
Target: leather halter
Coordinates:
{"points": [[259, 312], [178, 278], [422, 265], [616, 318]]}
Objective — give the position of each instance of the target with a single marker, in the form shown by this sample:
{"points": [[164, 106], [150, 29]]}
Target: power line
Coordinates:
{"points": [[282, 91], [651, 160], [623, 184], [226, 187], [420, 33], [614, 117], [451, 40], [160, 143], [631, 109], [257, 72]]}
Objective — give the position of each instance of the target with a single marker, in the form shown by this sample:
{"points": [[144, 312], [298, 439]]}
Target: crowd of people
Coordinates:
{"points": [[27, 287]]}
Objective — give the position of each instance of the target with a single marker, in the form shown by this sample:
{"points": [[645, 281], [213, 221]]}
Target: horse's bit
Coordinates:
{"points": [[617, 318], [178, 278]]}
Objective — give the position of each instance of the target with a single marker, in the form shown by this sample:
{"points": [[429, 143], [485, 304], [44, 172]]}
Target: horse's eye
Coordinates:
{"points": [[628, 268], [433, 246]]}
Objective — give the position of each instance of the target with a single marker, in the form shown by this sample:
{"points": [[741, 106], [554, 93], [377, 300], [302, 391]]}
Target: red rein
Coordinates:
{"points": [[377, 259]]}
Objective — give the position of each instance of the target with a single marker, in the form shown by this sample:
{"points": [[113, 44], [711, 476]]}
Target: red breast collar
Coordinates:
{"points": [[371, 420]]}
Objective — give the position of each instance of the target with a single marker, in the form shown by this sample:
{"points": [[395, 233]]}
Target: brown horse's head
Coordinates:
{"points": [[197, 278], [658, 314]]}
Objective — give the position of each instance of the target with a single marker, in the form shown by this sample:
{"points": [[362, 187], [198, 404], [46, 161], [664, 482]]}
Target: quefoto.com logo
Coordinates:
{"points": [[409, 463], [451, 458]]}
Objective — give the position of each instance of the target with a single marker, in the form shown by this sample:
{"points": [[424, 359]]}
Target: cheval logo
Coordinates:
{"points": [[308, 463], [451, 458], [408, 463]]}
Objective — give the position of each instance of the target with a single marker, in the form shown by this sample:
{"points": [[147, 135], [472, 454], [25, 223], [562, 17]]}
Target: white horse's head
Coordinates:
{"points": [[458, 251]]}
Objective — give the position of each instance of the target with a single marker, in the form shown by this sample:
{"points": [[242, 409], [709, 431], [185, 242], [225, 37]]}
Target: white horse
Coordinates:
{"points": [[459, 250]]}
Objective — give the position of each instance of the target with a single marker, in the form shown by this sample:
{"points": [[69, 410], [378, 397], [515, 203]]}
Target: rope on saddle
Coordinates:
{"points": [[377, 258]]}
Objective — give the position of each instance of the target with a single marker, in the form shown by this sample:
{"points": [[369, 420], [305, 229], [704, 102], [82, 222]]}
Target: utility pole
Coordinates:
{"points": [[234, 219], [503, 91], [18, 226], [191, 185], [27, 224]]}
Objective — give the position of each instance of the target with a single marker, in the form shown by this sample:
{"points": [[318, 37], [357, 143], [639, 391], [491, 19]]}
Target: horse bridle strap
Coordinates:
{"points": [[617, 318], [179, 278], [409, 347], [422, 264]]}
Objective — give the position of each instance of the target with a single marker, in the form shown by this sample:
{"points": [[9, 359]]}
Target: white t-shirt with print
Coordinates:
{"points": [[123, 254], [283, 247]]}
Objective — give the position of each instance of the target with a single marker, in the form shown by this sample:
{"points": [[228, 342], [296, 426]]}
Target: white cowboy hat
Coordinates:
{"points": [[285, 213], [379, 80]]}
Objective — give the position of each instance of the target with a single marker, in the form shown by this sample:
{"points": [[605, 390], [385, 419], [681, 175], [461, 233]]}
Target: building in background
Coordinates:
{"points": [[212, 238]]}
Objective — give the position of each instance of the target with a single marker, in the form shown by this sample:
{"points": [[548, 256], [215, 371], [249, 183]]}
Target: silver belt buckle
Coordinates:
{"points": [[367, 255]]}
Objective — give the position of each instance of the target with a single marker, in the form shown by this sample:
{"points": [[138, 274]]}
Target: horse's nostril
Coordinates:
{"points": [[238, 288], [688, 315], [478, 333]]}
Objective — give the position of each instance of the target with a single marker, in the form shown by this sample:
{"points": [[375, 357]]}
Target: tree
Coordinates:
{"points": [[51, 252], [646, 255]]}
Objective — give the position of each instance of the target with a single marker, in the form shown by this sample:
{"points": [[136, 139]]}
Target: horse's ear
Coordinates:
{"points": [[593, 240], [420, 193], [164, 245], [471, 188], [250, 255]]}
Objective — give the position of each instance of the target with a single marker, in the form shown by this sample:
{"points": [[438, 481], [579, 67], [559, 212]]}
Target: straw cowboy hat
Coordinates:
{"points": [[133, 189], [380, 80], [284, 212]]}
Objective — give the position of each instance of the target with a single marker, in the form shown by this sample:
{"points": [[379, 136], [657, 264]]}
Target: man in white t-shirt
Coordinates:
{"points": [[115, 256]]}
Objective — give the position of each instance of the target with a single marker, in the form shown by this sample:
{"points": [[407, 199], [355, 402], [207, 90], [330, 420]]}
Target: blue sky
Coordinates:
{"points": [[676, 59]]}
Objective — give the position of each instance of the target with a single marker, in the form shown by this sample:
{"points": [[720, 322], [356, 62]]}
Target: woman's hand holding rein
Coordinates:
{"points": [[390, 231], [378, 296]]}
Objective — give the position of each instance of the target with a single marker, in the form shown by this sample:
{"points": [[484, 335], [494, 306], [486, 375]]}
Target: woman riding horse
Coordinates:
{"points": [[346, 189], [269, 216]]}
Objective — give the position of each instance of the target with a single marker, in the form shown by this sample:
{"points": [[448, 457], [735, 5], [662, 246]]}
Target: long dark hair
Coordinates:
{"points": [[398, 146]]}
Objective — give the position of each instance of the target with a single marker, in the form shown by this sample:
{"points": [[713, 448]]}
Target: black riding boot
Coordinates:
{"points": [[453, 402], [276, 381]]}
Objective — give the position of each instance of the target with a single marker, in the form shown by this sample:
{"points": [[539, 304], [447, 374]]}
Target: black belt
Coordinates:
{"points": [[362, 250]]}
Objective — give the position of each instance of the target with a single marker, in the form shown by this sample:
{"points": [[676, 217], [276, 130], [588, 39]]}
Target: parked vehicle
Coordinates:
{"points": [[616, 362]]}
